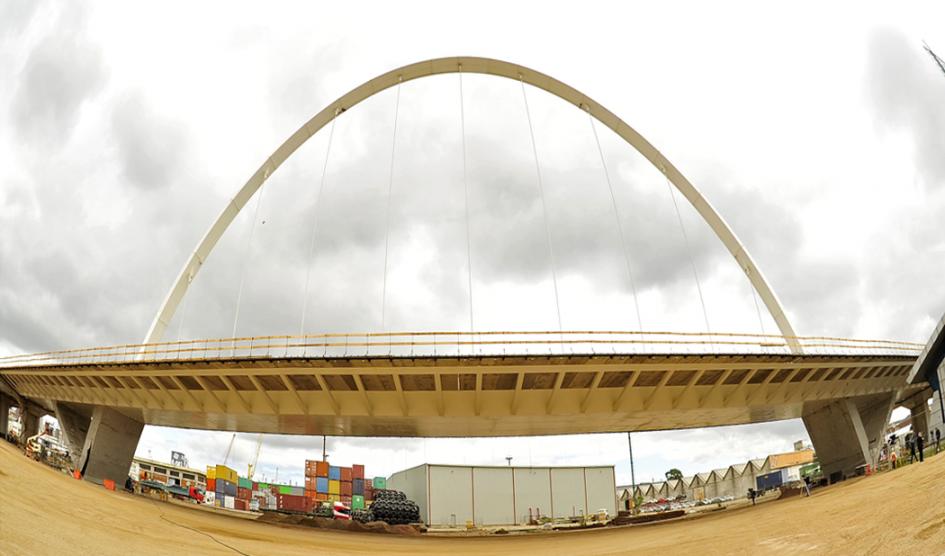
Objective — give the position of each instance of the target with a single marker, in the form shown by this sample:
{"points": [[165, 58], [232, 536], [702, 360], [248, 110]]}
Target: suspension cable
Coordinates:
{"points": [[390, 187], [246, 256], [692, 263], [613, 201], [311, 243], [754, 297], [462, 120], [183, 307], [544, 208]]}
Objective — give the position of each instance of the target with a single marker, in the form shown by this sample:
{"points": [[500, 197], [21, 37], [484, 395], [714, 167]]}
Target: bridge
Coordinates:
{"points": [[473, 383]]}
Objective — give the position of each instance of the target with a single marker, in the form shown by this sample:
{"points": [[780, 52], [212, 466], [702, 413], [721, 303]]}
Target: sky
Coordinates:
{"points": [[815, 131]]}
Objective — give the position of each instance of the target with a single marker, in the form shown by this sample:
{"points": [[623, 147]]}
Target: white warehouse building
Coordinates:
{"points": [[451, 495]]}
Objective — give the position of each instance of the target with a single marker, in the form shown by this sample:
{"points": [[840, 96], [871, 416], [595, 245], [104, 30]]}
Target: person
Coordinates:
{"points": [[920, 446], [752, 494], [910, 443], [938, 438], [892, 459], [807, 484]]}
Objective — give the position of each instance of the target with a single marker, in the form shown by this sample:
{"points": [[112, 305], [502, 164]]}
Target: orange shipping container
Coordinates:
{"points": [[346, 474], [321, 496], [357, 471], [346, 489], [321, 468]]}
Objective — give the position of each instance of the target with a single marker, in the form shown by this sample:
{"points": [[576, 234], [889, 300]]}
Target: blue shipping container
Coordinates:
{"points": [[769, 481], [220, 486], [321, 484], [357, 487], [334, 473]]}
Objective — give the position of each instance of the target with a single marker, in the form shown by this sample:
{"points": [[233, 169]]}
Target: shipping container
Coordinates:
{"points": [[244, 493], [229, 502], [379, 482], [241, 504], [357, 487], [345, 488], [321, 484], [211, 485], [283, 489], [310, 493], [346, 474], [357, 471], [224, 472], [243, 482], [262, 486], [791, 459], [311, 467], [346, 500], [334, 487], [357, 502], [332, 497], [321, 468], [295, 503], [769, 481], [211, 472], [321, 496], [255, 486], [334, 473]]}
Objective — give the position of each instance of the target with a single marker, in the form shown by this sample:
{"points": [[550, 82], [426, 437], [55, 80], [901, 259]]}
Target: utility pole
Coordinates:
{"points": [[508, 460], [633, 477], [324, 455]]}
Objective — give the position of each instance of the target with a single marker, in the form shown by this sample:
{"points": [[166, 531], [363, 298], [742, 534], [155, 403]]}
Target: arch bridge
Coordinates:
{"points": [[467, 383]]}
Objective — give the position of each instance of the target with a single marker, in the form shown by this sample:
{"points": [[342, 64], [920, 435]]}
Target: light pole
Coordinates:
{"points": [[633, 478], [508, 460]]}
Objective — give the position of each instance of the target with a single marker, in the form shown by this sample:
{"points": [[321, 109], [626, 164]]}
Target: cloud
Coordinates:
{"points": [[61, 73], [151, 148]]}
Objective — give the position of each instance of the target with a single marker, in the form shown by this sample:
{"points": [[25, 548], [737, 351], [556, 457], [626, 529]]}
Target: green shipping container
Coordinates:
{"points": [[285, 490], [357, 502], [245, 483], [263, 486], [380, 482]]}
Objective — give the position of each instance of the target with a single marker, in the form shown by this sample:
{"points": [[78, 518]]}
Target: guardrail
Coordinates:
{"points": [[453, 344]]}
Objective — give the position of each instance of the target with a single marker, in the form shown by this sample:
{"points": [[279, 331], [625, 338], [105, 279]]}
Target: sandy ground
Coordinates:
{"points": [[46, 512]]}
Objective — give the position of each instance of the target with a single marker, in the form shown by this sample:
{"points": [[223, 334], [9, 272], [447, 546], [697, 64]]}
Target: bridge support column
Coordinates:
{"points": [[30, 417], [74, 421], [918, 407], [109, 445], [5, 405], [848, 433]]}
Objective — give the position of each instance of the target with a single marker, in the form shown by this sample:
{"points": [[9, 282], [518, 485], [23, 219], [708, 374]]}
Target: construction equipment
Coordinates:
{"points": [[938, 61], [251, 468], [229, 448]]}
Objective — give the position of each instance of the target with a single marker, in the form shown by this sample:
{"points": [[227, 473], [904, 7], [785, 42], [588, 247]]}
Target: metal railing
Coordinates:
{"points": [[463, 344]]}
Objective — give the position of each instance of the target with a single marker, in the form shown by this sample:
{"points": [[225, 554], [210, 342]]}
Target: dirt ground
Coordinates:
{"points": [[46, 512]]}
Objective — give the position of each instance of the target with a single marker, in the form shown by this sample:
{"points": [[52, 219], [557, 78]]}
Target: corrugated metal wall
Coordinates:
{"points": [[504, 495]]}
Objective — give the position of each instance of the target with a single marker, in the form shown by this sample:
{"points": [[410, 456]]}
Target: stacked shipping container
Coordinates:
{"points": [[331, 483]]}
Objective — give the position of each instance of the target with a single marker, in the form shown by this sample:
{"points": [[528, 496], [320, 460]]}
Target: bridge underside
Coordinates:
{"points": [[467, 396]]}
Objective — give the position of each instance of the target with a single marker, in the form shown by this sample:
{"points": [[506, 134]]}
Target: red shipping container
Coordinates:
{"points": [[345, 489], [255, 486], [311, 467], [244, 493], [321, 468], [321, 496], [310, 493], [241, 504], [211, 485], [357, 471], [346, 474]]}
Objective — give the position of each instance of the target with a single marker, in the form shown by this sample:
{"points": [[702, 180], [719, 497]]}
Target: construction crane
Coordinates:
{"points": [[938, 61], [229, 449], [251, 468]]}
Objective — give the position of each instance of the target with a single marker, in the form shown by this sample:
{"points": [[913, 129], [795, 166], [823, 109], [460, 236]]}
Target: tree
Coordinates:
{"points": [[673, 474]]}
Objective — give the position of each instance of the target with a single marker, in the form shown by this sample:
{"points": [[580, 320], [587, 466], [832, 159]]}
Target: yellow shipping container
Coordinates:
{"points": [[334, 497], [790, 459], [211, 472], [227, 474], [334, 487]]}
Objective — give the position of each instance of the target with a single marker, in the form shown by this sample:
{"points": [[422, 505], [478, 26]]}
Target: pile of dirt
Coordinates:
{"points": [[338, 524]]}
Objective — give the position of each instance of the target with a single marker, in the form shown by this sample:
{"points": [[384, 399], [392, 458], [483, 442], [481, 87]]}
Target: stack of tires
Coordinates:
{"points": [[363, 516], [393, 508]]}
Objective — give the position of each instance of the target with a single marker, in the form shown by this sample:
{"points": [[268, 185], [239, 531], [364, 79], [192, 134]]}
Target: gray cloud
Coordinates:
{"points": [[907, 91], [151, 148], [61, 72]]}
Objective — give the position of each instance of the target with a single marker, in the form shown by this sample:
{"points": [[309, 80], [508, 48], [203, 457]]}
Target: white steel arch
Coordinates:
{"points": [[482, 66]]}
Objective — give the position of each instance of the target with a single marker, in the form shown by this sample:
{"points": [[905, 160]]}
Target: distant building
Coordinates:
{"points": [[733, 481], [167, 473]]}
